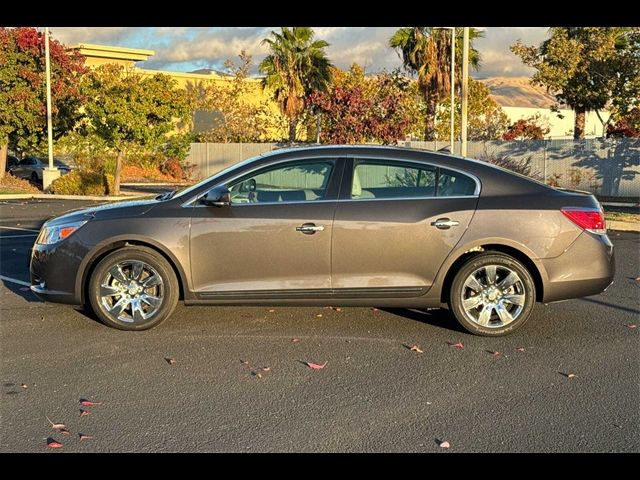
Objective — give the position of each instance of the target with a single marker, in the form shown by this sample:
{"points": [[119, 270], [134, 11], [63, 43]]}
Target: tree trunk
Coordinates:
{"points": [[292, 130], [116, 180], [430, 119], [578, 127], [3, 159]]}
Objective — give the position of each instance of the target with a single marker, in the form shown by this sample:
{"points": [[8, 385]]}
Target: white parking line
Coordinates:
{"points": [[18, 228], [15, 280]]}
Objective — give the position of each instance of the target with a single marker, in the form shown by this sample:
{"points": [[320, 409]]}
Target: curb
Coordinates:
{"points": [[623, 226], [98, 198]]}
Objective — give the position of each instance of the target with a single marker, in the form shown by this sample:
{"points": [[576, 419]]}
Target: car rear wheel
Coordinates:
{"points": [[492, 294], [34, 177], [133, 288]]}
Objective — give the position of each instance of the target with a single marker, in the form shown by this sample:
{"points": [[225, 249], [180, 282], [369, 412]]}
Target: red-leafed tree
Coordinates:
{"points": [[530, 128], [627, 126], [360, 109], [23, 105]]}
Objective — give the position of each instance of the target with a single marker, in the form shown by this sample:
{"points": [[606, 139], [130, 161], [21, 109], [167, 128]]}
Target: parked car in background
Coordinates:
{"points": [[11, 162], [334, 225], [31, 168]]}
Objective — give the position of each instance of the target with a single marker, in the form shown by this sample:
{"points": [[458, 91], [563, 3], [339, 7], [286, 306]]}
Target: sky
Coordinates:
{"points": [[186, 49]]}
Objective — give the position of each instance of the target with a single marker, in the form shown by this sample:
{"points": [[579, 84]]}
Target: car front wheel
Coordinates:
{"points": [[133, 288], [492, 294]]}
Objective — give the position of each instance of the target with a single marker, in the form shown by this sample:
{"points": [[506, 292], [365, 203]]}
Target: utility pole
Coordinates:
{"points": [[452, 88], [49, 174], [465, 91]]}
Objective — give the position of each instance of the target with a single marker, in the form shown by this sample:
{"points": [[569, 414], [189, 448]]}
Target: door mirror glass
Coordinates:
{"points": [[218, 197]]}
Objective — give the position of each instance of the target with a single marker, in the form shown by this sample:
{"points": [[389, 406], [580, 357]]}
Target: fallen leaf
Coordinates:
{"points": [[271, 311], [56, 426], [494, 353], [319, 315], [85, 437], [295, 340], [631, 325], [638, 279], [416, 348], [266, 369], [444, 444], [520, 349], [89, 403], [244, 362], [64, 431], [84, 413], [569, 375], [459, 345], [170, 360], [374, 309], [51, 443], [315, 366], [337, 309], [24, 385], [256, 374]]}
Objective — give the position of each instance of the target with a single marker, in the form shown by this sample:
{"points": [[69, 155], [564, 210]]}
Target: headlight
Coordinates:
{"points": [[57, 233]]}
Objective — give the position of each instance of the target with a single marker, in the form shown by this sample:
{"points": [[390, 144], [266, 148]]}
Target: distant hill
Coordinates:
{"points": [[518, 92]]}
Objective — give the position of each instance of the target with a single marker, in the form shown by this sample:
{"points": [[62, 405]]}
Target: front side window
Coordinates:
{"points": [[379, 179], [291, 182]]}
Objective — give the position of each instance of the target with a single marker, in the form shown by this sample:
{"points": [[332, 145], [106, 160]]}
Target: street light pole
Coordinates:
{"points": [[465, 91], [452, 88], [51, 173]]}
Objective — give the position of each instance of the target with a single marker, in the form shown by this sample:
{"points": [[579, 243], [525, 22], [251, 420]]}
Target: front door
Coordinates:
{"points": [[396, 223], [274, 239]]}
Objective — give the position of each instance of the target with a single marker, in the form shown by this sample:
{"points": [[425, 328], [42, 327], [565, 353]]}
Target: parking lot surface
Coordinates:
{"points": [[234, 379]]}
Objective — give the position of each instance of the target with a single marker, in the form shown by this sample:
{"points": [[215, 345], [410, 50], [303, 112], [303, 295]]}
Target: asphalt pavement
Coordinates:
{"points": [[230, 379]]}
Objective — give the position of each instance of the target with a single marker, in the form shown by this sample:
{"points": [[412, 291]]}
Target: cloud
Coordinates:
{"points": [[186, 48]]}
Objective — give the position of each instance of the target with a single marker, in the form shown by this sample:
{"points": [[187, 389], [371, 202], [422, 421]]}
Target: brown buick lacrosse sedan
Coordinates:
{"points": [[333, 225]]}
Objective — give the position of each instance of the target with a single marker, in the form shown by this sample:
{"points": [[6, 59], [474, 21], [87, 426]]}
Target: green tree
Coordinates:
{"points": [[485, 118], [587, 68], [426, 52], [23, 105], [237, 119], [132, 112], [296, 66]]}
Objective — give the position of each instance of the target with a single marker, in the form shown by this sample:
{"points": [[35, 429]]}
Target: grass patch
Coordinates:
{"points": [[622, 217]]}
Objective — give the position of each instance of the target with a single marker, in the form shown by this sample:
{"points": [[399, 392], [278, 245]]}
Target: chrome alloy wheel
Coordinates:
{"points": [[131, 291], [493, 296]]}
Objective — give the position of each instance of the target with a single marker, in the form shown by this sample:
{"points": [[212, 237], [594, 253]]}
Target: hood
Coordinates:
{"points": [[132, 208]]}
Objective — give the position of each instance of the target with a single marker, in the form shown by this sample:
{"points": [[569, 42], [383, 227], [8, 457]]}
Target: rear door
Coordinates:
{"points": [[395, 223]]}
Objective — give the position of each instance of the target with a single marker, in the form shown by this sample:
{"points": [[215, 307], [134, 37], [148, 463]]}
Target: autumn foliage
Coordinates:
{"points": [[526, 129]]}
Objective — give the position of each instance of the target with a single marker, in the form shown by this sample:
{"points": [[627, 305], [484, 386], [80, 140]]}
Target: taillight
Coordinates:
{"points": [[591, 219]]}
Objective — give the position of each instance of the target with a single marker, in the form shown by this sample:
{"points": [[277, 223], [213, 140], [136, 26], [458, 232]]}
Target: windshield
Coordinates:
{"points": [[187, 190]]}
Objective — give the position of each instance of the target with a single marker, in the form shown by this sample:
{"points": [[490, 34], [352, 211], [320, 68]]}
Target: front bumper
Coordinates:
{"points": [[586, 268], [54, 271]]}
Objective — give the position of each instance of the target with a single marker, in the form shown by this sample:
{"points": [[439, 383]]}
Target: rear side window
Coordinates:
{"points": [[454, 184], [379, 179]]}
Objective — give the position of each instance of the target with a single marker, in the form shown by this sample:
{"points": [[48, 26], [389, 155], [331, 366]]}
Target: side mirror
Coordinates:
{"points": [[218, 197]]}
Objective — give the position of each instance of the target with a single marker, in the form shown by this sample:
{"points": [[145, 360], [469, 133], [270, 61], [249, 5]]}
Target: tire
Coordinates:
{"points": [[489, 308], [140, 304], [34, 177]]}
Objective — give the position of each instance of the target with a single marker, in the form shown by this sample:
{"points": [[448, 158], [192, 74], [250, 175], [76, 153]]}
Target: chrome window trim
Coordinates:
{"points": [[190, 202], [476, 192], [195, 198]]}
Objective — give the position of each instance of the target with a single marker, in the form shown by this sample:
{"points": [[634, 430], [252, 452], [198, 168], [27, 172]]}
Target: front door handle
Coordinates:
{"points": [[310, 228], [444, 223]]}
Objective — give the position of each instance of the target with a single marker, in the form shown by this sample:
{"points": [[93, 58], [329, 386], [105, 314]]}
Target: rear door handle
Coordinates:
{"points": [[444, 223], [310, 228]]}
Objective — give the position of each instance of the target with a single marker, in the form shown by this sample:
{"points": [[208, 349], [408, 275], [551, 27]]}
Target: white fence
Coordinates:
{"points": [[609, 168]]}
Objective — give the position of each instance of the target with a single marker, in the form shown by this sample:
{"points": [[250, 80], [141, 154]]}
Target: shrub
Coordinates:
{"points": [[11, 184], [173, 168], [81, 182], [523, 166]]}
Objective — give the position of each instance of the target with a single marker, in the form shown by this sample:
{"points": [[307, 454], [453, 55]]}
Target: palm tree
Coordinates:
{"points": [[296, 67], [426, 51]]}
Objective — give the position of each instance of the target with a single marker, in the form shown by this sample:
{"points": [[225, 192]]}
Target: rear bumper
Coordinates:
{"points": [[586, 268]]}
